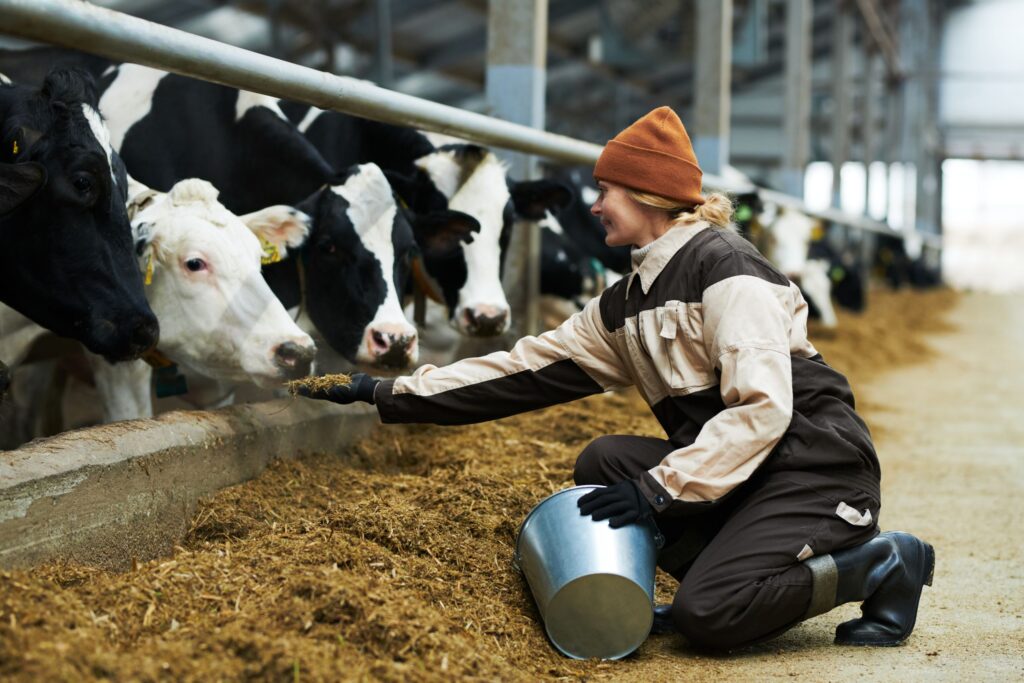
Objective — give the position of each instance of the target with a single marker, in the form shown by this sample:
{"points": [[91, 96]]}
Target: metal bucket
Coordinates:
{"points": [[594, 585]]}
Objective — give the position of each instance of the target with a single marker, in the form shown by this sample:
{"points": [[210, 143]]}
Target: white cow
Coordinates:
{"points": [[789, 238], [218, 317]]}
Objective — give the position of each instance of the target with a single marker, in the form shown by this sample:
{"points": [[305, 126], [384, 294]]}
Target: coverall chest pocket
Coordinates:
{"points": [[680, 341]]}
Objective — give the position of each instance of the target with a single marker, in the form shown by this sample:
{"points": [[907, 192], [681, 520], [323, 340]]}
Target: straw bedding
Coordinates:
{"points": [[392, 562]]}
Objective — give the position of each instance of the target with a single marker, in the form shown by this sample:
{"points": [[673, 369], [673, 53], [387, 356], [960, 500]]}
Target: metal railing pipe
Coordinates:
{"points": [[80, 25], [117, 36]]}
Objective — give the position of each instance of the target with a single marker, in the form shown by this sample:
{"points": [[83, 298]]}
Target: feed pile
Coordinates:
{"points": [[392, 563]]}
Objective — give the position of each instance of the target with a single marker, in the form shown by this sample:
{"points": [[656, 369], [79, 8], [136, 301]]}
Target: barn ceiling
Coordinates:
{"points": [[607, 59]]}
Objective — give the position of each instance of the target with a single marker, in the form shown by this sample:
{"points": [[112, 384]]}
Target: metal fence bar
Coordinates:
{"points": [[117, 36]]}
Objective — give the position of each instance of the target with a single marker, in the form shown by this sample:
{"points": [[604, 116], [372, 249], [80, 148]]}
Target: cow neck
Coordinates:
{"points": [[301, 272], [423, 287]]}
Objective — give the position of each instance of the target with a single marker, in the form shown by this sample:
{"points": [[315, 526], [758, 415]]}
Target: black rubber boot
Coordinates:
{"points": [[663, 620], [887, 573]]}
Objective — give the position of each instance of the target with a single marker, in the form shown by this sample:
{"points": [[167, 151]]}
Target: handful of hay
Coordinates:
{"points": [[318, 383]]}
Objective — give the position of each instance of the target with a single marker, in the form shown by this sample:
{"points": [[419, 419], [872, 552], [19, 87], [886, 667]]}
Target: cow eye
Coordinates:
{"points": [[83, 184], [195, 264], [328, 247]]}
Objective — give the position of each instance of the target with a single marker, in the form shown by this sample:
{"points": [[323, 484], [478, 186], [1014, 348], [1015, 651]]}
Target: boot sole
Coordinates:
{"points": [[928, 576]]}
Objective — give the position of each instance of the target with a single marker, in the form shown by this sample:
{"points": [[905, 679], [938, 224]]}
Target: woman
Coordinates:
{"points": [[767, 487]]}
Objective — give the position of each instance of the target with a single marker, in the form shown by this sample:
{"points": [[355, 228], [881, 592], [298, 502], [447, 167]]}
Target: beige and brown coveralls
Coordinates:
{"points": [[766, 463]]}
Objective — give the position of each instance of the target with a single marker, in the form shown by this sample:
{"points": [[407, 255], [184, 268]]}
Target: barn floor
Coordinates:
{"points": [[397, 566]]}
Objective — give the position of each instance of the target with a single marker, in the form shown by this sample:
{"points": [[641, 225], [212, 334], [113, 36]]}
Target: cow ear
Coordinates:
{"points": [[441, 232], [281, 227], [145, 249], [18, 182], [533, 198], [139, 197]]}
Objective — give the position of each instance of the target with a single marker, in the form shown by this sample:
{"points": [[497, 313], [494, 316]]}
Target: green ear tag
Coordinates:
{"points": [[169, 382]]}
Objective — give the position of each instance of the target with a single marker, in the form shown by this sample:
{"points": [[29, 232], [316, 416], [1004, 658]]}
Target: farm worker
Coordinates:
{"points": [[767, 485]]}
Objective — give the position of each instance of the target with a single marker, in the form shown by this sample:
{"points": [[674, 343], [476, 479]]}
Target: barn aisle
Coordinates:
{"points": [[951, 441]]}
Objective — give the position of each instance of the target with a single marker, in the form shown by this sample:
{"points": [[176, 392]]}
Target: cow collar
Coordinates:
{"points": [[423, 282], [167, 380], [301, 270]]}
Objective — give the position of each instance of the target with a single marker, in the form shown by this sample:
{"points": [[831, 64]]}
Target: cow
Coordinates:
{"points": [[570, 263], [169, 127], [202, 278], [456, 175], [583, 228], [67, 261], [788, 242], [259, 156], [354, 266]]}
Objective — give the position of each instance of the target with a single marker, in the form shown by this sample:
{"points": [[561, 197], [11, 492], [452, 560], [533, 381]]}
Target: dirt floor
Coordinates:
{"points": [[395, 565]]}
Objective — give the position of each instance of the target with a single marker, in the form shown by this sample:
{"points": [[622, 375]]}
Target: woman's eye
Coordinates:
{"points": [[195, 264]]}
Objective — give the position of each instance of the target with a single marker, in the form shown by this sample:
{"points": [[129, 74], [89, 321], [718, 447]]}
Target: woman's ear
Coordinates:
{"points": [[279, 228]]}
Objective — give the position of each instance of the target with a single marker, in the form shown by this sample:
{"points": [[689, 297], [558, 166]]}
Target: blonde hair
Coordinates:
{"points": [[717, 208]]}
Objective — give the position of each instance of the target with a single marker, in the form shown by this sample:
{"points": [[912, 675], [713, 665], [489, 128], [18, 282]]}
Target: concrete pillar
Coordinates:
{"points": [[796, 124], [383, 59], [928, 203], [919, 131], [516, 56], [710, 131], [842, 32], [869, 106]]}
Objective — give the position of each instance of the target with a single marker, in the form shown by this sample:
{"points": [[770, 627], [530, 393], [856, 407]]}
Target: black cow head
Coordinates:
{"points": [[354, 267], [471, 179], [67, 260]]}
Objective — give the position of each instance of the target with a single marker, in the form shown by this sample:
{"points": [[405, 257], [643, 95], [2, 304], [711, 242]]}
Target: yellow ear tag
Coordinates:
{"points": [[16, 148], [148, 279], [271, 254], [817, 232]]}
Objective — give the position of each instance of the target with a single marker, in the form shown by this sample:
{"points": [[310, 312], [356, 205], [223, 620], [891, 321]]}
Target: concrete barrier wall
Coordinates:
{"points": [[108, 494]]}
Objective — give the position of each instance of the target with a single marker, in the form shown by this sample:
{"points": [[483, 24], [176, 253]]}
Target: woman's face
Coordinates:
{"points": [[625, 221]]}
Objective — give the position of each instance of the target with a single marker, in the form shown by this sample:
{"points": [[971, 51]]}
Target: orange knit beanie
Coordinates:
{"points": [[653, 155]]}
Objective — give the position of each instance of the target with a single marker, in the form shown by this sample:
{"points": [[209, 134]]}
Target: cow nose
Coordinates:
{"points": [[485, 321], [392, 346], [294, 360], [145, 334]]}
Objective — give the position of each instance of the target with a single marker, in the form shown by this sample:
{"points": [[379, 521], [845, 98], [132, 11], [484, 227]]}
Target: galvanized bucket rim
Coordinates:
{"points": [[522, 527]]}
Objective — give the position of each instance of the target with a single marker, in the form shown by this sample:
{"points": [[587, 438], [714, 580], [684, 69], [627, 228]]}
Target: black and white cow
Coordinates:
{"points": [[357, 260], [169, 127], [573, 252], [67, 260], [459, 176], [582, 227]]}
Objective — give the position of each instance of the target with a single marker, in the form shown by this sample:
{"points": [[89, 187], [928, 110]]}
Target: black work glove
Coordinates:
{"points": [[620, 504], [361, 389]]}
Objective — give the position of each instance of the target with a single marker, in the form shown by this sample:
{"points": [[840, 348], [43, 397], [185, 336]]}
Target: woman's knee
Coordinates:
{"points": [[717, 619], [593, 466], [700, 620]]}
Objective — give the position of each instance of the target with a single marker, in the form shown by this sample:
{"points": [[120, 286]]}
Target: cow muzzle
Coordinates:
{"points": [[484, 320], [126, 341], [294, 360], [392, 346]]}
